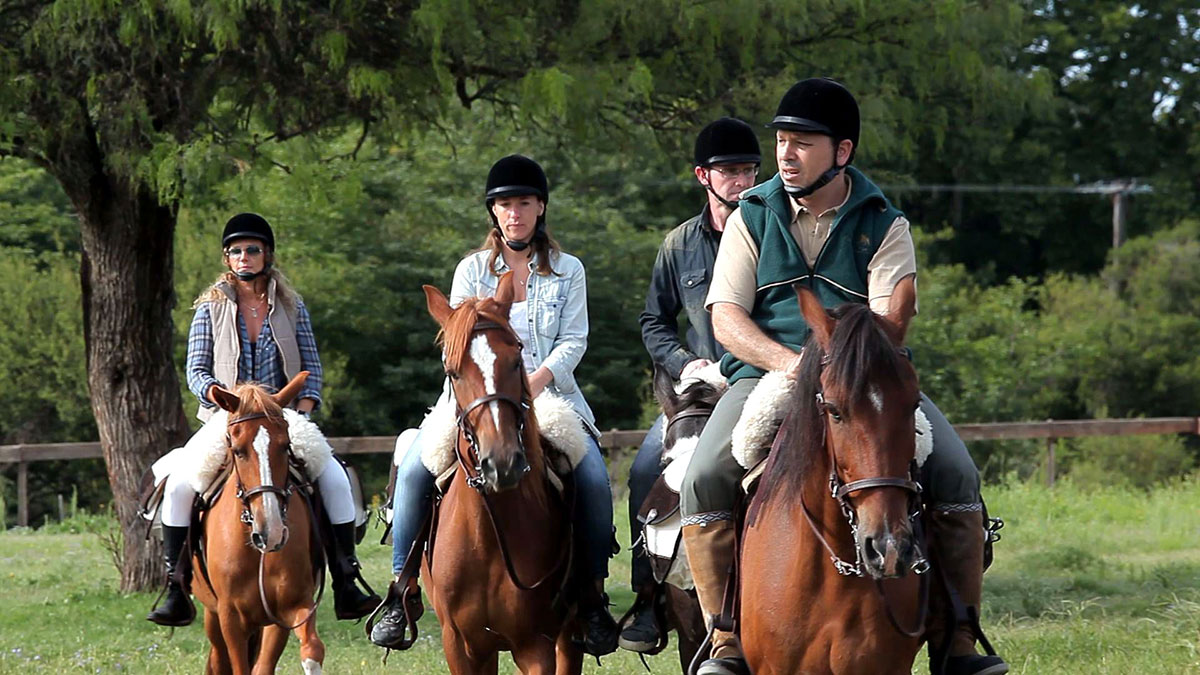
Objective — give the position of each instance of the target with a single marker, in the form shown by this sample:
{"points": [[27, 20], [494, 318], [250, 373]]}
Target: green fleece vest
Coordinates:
{"points": [[838, 276]]}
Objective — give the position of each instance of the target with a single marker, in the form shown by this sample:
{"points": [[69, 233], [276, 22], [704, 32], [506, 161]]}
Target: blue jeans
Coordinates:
{"points": [[646, 468], [593, 516]]}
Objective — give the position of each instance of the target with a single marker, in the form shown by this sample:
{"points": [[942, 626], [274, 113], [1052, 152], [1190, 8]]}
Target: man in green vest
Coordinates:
{"points": [[822, 222]]}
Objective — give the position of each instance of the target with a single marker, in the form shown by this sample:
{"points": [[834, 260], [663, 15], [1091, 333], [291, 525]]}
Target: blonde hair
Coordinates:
{"points": [[284, 293]]}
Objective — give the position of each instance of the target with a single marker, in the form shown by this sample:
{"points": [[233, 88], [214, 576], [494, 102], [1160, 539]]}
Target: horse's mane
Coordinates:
{"points": [[699, 395], [455, 336], [861, 353], [254, 398]]}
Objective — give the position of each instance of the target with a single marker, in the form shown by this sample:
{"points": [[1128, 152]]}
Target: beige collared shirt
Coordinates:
{"points": [[735, 271]]}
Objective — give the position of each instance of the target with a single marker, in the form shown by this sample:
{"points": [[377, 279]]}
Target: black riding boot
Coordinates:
{"points": [[176, 608], [640, 633], [599, 627], [348, 601]]}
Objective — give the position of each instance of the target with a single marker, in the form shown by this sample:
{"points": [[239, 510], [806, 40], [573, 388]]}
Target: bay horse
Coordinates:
{"points": [[257, 573], [839, 486], [498, 555]]}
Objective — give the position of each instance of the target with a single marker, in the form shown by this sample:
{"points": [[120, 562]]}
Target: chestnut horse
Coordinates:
{"points": [[850, 433], [259, 582], [499, 552]]}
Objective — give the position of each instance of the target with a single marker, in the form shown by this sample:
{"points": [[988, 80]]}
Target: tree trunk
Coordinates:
{"points": [[128, 293]]}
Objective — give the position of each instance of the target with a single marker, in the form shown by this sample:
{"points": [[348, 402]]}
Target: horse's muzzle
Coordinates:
{"points": [[888, 555], [499, 475]]}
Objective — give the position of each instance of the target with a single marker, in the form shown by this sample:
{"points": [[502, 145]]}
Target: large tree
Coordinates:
{"points": [[134, 106]]}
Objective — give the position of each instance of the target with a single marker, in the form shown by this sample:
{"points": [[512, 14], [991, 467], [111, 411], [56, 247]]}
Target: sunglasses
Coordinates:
{"points": [[748, 172], [249, 250]]}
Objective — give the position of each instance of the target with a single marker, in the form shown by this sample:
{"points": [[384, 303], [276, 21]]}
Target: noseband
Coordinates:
{"points": [[699, 412]]}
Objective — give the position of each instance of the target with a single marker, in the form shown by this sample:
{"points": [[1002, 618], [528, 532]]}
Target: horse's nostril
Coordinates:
{"points": [[257, 540]]}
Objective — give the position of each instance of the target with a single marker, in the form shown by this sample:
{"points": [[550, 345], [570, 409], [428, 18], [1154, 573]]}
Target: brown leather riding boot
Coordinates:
{"points": [[958, 541], [710, 551]]}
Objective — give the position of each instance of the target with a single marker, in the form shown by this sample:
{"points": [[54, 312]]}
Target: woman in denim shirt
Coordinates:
{"points": [[549, 314]]}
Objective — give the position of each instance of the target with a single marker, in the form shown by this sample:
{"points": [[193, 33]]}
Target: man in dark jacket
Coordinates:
{"points": [[727, 157]]}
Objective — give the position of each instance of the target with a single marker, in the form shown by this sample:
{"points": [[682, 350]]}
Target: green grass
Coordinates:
{"points": [[1104, 581]]}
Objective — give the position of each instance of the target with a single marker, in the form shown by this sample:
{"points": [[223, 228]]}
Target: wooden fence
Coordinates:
{"points": [[1051, 430]]}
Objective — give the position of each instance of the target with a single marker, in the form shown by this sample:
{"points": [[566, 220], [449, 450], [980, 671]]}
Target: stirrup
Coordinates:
{"points": [[407, 593]]}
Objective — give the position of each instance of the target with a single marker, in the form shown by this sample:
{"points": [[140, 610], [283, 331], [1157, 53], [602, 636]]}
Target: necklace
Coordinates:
{"points": [[259, 301]]}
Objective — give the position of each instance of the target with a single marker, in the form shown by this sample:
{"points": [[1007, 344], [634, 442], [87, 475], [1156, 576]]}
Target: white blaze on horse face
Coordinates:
{"points": [[270, 501], [876, 398], [485, 358]]}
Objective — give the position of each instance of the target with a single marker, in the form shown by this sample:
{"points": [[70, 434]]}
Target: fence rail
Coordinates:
{"points": [[1051, 430]]}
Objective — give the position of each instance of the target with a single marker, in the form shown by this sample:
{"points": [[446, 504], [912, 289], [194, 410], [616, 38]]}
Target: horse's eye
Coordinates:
{"points": [[239, 453], [453, 375], [834, 413]]}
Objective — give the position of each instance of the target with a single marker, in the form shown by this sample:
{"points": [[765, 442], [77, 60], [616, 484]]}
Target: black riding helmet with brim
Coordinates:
{"points": [[250, 226], [514, 176], [823, 106], [726, 141]]}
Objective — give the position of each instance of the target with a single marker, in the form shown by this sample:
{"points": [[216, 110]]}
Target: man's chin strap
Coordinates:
{"points": [[821, 181], [728, 204]]}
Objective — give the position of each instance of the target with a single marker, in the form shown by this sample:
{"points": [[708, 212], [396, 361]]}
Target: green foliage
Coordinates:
{"points": [[1135, 461]]}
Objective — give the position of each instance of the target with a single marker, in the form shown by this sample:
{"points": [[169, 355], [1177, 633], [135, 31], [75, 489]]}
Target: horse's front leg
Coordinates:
{"points": [[218, 656], [569, 656], [458, 661], [312, 649], [274, 640], [235, 634]]}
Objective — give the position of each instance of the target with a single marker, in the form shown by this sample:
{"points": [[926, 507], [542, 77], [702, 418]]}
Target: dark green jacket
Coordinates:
{"points": [[839, 274]]}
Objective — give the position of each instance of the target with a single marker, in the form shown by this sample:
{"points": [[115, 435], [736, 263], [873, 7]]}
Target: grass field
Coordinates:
{"points": [[1103, 581]]}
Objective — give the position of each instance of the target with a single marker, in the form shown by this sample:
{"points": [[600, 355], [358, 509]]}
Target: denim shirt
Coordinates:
{"points": [[558, 318]]}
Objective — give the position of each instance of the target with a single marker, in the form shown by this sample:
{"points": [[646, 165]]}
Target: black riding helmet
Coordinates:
{"points": [[513, 176], [726, 141], [250, 226], [819, 105]]}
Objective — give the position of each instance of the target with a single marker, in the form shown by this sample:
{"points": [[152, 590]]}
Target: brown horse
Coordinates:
{"points": [[498, 555], [851, 433], [259, 578]]}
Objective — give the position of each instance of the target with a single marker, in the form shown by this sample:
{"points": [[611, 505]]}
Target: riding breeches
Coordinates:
{"points": [[333, 483], [713, 479], [592, 517]]}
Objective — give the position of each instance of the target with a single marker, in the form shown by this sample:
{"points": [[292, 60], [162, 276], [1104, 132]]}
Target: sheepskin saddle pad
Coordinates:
{"points": [[563, 436], [201, 458], [765, 409]]}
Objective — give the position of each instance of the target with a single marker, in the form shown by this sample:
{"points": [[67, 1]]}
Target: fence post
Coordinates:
{"points": [[1050, 461], [22, 494]]}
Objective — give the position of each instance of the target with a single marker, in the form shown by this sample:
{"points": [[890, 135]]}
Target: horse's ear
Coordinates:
{"points": [[504, 293], [439, 306], [664, 390], [815, 316], [284, 396], [224, 398]]}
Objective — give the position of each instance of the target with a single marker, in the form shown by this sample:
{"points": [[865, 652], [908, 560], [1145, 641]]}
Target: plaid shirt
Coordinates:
{"points": [[259, 362]]}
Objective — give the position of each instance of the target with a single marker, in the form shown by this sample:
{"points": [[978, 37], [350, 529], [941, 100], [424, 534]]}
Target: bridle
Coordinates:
{"points": [[698, 412], [473, 470], [840, 491], [244, 495], [285, 496]]}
